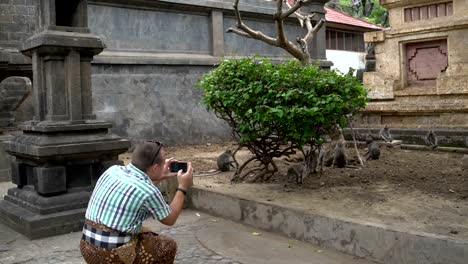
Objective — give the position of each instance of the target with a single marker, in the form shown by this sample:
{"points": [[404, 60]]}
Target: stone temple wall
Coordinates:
{"points": [[421, 77], [16, 21], [156, 51]]}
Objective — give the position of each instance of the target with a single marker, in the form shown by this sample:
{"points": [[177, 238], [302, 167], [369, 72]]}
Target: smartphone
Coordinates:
{"points": [[176, 166]]}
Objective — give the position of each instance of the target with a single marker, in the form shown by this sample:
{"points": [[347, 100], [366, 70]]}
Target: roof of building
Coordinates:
{"points": [[335, 16]]}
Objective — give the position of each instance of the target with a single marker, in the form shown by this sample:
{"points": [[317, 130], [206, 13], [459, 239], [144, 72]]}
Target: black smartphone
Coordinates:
{"points": [[176, 166]]}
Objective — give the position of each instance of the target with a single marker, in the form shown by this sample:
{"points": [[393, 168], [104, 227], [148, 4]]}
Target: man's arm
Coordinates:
{"points": [[177, 203]]}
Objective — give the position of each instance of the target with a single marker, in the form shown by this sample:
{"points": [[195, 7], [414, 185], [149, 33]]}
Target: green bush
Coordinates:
{"points": [[269, 105]]}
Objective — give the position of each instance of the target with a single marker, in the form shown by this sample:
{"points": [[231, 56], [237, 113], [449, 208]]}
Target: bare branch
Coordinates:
{"points": [[294, 8], [282, 40], [311, 31], [238, 32], [252, 33], [299, 16]]}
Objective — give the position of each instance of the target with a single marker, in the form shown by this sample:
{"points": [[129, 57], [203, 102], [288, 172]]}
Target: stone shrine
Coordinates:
{"points": [[421, 76], [63, 150]]}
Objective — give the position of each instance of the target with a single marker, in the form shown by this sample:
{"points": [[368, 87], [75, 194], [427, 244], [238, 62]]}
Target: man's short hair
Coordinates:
{"points": [[143, 156]]}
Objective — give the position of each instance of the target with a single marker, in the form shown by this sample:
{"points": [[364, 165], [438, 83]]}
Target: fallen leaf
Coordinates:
{"points": [[197, 214], [319, 251], [255, 234], [290, 245], [214, 220]]}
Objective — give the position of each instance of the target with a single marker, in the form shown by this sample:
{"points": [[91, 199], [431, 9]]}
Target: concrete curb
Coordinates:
{"points": [[372, 241]]}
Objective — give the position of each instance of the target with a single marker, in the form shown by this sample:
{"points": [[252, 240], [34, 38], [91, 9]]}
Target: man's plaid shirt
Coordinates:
{"points": [[123, 198]]}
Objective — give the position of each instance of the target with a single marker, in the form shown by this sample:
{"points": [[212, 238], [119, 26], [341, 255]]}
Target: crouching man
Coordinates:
{"points": [[123, 198]]}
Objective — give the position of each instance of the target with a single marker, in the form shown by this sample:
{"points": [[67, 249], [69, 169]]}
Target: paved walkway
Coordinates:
{"points": [[201, 239]]}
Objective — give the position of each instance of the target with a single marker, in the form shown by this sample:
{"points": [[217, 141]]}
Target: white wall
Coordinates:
{"points": [[343, 60]]}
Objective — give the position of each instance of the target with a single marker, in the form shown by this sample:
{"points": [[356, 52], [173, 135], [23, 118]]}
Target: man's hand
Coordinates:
{"points": [[167, 169], [166, 174], [185, 179]]}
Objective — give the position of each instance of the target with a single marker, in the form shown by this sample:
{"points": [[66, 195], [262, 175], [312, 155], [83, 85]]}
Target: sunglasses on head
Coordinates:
{"points": [[159, 144]]}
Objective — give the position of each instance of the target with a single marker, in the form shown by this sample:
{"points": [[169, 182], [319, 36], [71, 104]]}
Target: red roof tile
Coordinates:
{"points": [[335, 16]]}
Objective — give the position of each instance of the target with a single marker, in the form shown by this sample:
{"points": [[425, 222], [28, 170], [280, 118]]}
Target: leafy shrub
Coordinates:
{"points": [[276, 109]]}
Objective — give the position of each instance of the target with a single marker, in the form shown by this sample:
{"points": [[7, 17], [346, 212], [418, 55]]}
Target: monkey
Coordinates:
{"points": [[225, 161], [326, 152], [373, 150], [296, 171], [339, 155], [385, 134], [431, 139], [324, 156]]}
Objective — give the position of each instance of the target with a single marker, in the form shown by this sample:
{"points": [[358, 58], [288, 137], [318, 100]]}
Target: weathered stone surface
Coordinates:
{"points": [[148, 102], [411, 88], [376, 242], [172, 49], [376, 36], [13, 91], [5, 159]]}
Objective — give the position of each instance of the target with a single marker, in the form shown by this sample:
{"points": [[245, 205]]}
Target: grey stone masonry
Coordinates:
{"points": [[156, 52], [5, 159], [17, 23], [13, 91], [63, 150]]}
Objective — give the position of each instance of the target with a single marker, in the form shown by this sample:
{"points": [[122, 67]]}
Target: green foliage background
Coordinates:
{"points": [[377, 15]]}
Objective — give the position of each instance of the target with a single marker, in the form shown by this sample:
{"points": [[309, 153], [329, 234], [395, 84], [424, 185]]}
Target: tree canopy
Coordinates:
{"points": [[370, 10]]}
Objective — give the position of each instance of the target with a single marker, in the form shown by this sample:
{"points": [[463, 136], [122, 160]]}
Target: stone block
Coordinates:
{"points": [[18, 174], [5, 165], [377, 36], [36, 226], [50, 179], [378, 86]]}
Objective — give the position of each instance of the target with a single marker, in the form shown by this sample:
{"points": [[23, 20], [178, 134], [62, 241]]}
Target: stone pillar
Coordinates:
{"points": [[63, 150], [317, 47], [217, 33]]}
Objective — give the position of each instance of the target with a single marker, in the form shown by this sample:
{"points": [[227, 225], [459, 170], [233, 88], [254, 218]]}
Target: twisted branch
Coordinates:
{"points": [[300, 50]]}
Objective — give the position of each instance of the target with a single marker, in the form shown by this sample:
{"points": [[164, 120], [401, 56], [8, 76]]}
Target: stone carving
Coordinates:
{"points": [[426, 60]]}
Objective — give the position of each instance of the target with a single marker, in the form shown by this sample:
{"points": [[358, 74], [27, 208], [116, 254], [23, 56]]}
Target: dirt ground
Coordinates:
{"points": [[418, 190]]}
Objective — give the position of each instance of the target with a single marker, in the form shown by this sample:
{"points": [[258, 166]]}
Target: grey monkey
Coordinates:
{"points": [[373, 149], [339, 155], [431, 139], [226, 161], [385, 134], [296, 171]]}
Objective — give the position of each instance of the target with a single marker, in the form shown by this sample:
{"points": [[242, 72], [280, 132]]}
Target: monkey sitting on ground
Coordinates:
{"points": [[226, 161], [373, 149], [431, 139], [385, 134], [296, 172], [326, 153], [339, 155]]}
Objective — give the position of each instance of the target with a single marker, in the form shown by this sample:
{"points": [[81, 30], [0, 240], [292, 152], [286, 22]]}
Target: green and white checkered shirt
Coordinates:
{"points": [[123, 198]]}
